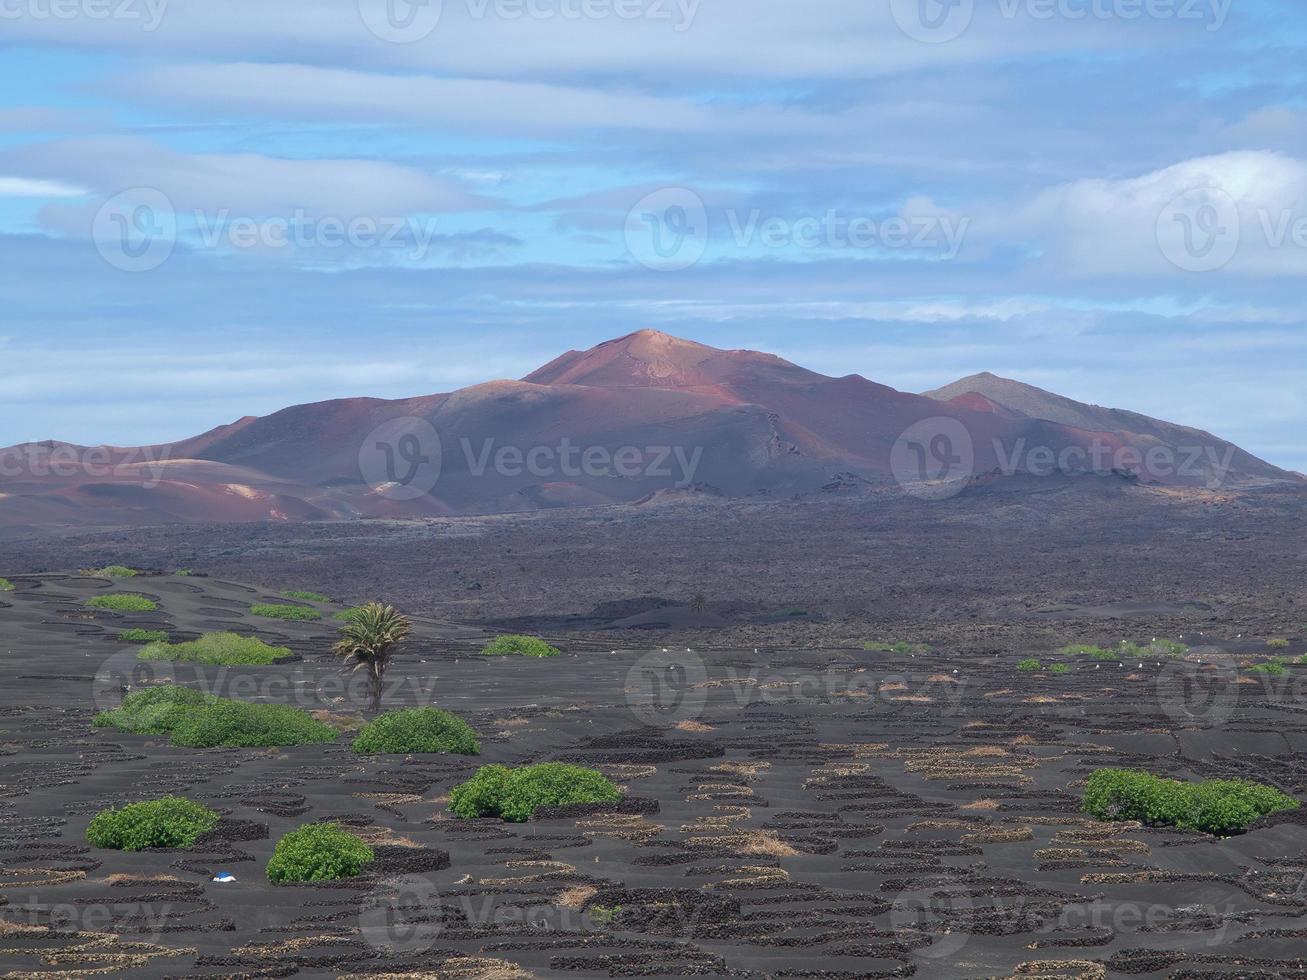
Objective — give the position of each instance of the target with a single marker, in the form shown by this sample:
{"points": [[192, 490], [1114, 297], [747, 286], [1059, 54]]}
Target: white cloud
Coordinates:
{"points": [[1241, 213], [243, 184], [24, 187]]}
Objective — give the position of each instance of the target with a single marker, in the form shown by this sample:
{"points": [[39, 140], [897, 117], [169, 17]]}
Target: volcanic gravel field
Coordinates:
{"points": [[835, 813]]}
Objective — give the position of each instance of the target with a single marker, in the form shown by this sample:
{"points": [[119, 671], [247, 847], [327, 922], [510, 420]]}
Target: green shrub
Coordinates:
{"points": [[1030, 664], [603, 915], [1215, 806], [417, 730], [226, 649], [122, 602], [185, 572], [306, 596], [1059, 669], [153, 711], [1087, 650], [1127, 650], [230, 724], [271, 610], [139, 635], [1274, 667], [522, 646], [347, 614], [6, 585], [169, 822], [514, 794], [113, 571], [199, 720], [1278, 643], [317, 852]]}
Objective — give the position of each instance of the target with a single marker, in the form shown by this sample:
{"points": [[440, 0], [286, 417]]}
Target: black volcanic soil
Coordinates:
{"points": [[1025, 564], [826, 813]]}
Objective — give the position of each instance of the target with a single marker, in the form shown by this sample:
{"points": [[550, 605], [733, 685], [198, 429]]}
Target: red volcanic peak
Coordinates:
{"points": [[651, 359]]}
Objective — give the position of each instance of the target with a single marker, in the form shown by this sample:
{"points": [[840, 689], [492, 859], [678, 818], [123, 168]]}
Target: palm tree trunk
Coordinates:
{"points": [[376, 690]]}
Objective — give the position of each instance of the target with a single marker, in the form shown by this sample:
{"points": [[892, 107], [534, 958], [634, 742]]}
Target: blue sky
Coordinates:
{"points": [[215, 209]]}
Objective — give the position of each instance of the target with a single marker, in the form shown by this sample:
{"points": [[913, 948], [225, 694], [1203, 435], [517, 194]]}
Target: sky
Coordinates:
{"points": [[218, 208]]}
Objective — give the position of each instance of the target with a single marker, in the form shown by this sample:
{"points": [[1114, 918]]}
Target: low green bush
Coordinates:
{"points": [[225, 649], [417, 730], [1059, 669], [270, 610], [306, 596], [317, 852], [346, 615], [1088, 650], [1127, 650], [113, 571], [514, 794], [152, 711], [877, 646], [240, 724], [521, 646], [199, 720], [1030, 665], [139, 635], [1216, 806], [123, 602], [169, 822], [6, 585], [1274, 667], [1278, 643]]}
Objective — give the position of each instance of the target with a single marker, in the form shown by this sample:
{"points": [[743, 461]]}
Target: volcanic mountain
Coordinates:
{"points": [[620, 423]]}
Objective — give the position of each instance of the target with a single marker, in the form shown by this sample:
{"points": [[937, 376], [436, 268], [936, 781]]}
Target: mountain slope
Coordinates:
{"points": [[1022, 400]]}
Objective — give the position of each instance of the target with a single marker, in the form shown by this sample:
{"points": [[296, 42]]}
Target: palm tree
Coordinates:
{"points": [[367, 641], [699, 604]]}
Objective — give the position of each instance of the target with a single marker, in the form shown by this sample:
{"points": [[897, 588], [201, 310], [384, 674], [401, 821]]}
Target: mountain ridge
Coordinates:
{"points": [[620, 422]]}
